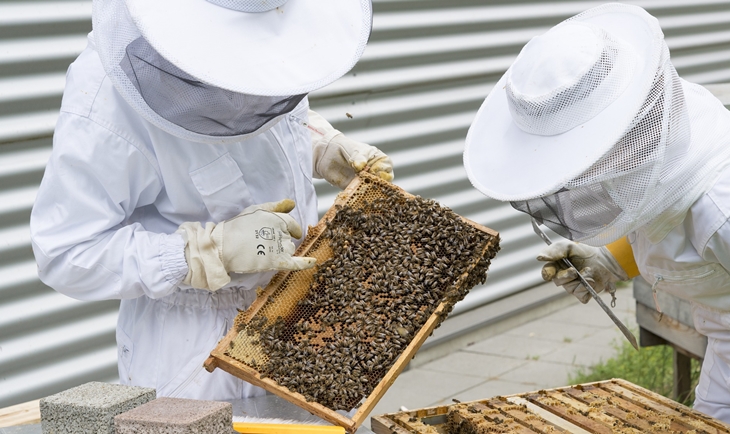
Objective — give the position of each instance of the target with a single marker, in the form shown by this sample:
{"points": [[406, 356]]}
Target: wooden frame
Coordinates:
{"points": [[27, 413], [391, 423], [219, 359]]}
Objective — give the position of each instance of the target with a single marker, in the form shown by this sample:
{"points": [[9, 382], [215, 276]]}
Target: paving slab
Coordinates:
{"points": [[541, 374], [473, 365], [555, 331], [610, 337], [583, 314], [518, 347], [419, 388], [489, 389], [580, 354]]}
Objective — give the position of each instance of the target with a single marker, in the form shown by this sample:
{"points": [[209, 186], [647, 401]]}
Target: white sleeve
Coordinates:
{"points": [[83, 244]]}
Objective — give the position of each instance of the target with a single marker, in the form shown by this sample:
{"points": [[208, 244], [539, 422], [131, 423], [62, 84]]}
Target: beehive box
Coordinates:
{"points": [[614, 406], [390, 267]]}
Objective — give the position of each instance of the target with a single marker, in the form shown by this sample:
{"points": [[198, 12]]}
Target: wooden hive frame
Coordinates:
{"points": [[567, 412], [219, 359]]}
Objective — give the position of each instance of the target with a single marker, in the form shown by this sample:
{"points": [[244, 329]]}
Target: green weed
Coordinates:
{"points": [[651, 368]]}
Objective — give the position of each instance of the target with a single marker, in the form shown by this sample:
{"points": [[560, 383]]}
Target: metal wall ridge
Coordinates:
{"points": [[424, 75], [16, 128], [15, 13]]}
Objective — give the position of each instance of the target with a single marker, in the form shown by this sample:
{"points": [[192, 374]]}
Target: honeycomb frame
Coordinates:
{"points": [[280, 288], [610, 406]]}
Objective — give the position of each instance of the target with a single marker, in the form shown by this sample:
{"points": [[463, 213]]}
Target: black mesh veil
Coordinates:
{"points": [[572, 214], [193, 105]]}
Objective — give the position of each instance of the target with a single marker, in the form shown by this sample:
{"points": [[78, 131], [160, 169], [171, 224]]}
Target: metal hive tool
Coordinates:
{"points": [[339, 342]]}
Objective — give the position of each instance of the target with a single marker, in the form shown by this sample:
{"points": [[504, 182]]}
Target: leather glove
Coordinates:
{"points": [[258, 239], [596, 264], [338, 158]]}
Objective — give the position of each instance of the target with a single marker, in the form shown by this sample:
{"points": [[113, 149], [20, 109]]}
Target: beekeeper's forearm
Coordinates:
{"points": [[122, 264], [82, 241]]}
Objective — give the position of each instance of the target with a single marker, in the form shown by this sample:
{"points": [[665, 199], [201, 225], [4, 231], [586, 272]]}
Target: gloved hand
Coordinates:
{"points": [[338, 158], [596, 264], [258, 239]]}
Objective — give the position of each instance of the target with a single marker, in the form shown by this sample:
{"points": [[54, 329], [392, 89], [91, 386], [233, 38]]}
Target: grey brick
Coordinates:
{"points": [[90, 408], [177, 416]]}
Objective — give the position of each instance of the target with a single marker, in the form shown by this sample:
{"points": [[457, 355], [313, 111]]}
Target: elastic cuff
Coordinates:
{"points": [[172, 256]]}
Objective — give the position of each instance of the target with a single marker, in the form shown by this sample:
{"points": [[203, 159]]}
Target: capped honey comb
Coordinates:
{"points": [[390, 267]]}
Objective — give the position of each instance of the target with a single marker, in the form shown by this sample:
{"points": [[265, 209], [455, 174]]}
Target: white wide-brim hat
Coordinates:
{"points": [[571, 94], [256, 47]]}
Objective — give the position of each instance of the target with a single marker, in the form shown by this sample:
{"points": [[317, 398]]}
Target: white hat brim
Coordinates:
{"points": [[291, 50], [508, 164]]}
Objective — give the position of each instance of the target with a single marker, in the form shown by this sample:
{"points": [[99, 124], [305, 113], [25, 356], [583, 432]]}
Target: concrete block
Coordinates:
{"points": [[90, 408], [177, 416]]}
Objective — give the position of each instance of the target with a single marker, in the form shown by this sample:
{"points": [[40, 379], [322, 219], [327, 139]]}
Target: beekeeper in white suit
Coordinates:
{"points": [[616, 150], [182, 169]]}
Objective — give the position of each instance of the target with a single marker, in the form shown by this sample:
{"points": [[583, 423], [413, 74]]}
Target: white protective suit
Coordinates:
{"points": [[116, 189], [692, 263], [616, 144]]}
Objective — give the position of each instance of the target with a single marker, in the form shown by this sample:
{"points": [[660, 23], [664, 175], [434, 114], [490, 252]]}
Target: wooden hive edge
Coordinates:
{"points": [[383, 425], [674, 405], [387, 423], [242, 371], [399, 365]]}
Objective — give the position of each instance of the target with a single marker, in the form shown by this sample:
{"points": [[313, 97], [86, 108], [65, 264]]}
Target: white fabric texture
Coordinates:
{"points": [[662, 161], [592, 68], [596, 265], [250, 6], [115, 190], [337, 158], [294, 49], [712, 394], [692, 262], [495, 144], [163, 343], [259, 239]]}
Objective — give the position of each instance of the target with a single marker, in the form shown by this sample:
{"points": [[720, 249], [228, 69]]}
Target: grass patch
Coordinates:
{"points": [[651, 368]]}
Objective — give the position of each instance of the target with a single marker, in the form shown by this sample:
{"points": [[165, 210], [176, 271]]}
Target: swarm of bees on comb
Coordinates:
{"points": [[394, 260]]}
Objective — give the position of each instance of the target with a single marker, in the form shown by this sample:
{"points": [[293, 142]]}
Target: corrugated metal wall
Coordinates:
{"points": [[427, 69]]}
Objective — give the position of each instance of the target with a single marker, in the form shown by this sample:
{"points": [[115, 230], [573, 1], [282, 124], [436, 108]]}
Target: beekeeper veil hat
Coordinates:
{"points": [[218, 71], [592, 132]]}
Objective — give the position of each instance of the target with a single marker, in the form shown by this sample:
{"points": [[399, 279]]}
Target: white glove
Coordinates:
{"points": [[596, 264], [338, 158], [258, 239]]}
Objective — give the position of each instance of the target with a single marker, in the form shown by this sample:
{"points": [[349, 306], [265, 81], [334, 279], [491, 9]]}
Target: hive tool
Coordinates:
{"points": [[590, 289]]}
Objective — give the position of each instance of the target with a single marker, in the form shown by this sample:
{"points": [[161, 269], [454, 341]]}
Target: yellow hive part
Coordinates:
{"points": [[266, 428]]}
